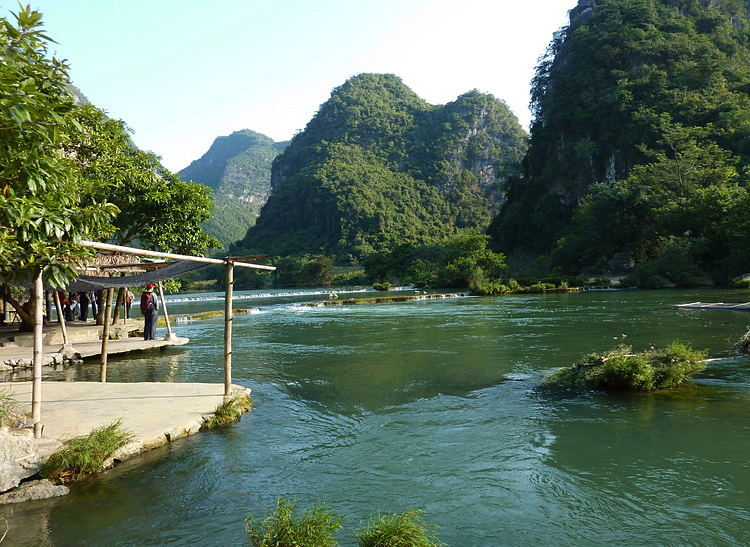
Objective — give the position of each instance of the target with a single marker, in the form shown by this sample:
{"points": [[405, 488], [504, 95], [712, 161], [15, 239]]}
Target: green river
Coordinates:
{"points": [[436, 405]]}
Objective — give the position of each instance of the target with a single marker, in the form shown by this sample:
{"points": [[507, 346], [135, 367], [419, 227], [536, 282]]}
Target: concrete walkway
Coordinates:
{"points": [[156, 413], [84, 338]]}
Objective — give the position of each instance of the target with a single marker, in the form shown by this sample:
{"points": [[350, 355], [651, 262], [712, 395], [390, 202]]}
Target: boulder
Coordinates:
{"points": [[19, 458], [34, 490]]}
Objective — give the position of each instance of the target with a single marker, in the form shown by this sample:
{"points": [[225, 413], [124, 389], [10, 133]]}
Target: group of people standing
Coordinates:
{"points": [[76, 307]]}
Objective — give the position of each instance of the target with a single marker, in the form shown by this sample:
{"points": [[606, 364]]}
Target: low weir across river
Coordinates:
{"points": [[438, 405]]}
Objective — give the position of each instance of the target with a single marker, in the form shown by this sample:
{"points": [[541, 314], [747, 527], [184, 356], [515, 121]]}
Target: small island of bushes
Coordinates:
{"points": [[621, 369]]}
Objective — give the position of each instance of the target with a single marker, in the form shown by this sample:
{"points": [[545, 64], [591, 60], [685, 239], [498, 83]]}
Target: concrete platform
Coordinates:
{"points": [[83, 337], [156, 413]]}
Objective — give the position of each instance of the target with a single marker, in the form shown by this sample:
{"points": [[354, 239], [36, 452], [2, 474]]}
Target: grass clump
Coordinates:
{"points": [[283, 528], [85, 455], [231, 410], [11, 413], [404, 530], [621, 369]]}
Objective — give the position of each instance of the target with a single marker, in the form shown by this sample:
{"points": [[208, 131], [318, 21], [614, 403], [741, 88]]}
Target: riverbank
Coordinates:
{"points": [[154, 413]]}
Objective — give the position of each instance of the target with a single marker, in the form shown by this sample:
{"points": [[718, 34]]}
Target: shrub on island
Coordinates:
{"points": [[282, 527], [743, 344], [621, 369], [404, 530]]}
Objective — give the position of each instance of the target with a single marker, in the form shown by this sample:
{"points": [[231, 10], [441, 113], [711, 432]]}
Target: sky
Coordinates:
{"points": [[182, 72]]}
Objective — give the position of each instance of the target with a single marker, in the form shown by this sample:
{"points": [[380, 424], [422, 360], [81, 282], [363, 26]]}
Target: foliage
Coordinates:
{"points": [[404, 530], [382, 286], [42, 217], [672, 266], [283, 528], [231, 410], [158, 210], [741, 282], [641, 134], [85, 455], [238, 169], [621, 369], [172, 286], [460, 261], [378, 167]]}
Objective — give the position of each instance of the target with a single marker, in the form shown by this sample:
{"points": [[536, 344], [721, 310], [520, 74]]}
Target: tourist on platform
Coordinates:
{"points": [[84, 301], [129, 297], [150, 311], [92, 298], [75, 308]]}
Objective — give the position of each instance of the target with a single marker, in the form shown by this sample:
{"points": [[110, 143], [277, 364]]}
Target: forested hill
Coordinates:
{"points": [[238, 168], [641, 139], [377, 167]]}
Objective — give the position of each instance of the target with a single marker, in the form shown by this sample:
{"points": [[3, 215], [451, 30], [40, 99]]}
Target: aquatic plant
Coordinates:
{"points": [[404, 530], [743, 344], [85, 455], [281, 527], [230, 411], [621, 369]]}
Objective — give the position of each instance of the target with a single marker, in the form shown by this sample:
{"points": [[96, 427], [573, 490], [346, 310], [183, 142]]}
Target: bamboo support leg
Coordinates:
{"points": [[36, 387], [229, 277]]}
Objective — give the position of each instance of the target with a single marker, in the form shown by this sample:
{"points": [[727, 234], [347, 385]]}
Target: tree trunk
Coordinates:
{"points": [[118, 304], [99, 295]]}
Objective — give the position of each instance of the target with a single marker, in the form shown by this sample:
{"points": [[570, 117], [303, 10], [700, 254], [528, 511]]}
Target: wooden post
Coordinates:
{"points": [[36, 387], [61, 318], [229, 278], [170, 335], [105, 336]]}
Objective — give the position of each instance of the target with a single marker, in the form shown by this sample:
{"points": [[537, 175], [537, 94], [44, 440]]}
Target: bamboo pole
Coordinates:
{"points": [[170, 334], [157, 254], [229, 289], [105, 336], [36, 387], [61, 317]]}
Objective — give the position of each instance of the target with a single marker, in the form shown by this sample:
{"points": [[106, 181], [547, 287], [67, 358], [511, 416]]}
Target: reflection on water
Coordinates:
{"points": [[440, 406]]}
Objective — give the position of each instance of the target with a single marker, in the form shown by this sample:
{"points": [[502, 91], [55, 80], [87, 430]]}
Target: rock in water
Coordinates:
{"points": [[34, 490]]}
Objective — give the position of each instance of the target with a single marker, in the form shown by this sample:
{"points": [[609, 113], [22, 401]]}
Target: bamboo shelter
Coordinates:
{"points": [[147, 273]]}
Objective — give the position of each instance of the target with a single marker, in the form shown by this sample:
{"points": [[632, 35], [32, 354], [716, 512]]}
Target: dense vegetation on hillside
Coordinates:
{"points": [[238, 168], [641, 142], [378, 167]]}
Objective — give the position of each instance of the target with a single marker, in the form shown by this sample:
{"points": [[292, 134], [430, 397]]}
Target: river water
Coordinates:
{"points": [[436, 405]]}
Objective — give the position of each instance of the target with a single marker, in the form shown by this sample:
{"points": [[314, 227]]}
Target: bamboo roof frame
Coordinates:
{"points": [[228, 262]]}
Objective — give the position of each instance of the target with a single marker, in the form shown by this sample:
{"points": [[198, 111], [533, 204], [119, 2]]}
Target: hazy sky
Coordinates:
{"points": [[182, 72]]}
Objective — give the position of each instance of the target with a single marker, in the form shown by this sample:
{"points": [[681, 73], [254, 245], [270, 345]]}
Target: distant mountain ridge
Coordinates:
{"points": [[378, 166], [238, 168]]}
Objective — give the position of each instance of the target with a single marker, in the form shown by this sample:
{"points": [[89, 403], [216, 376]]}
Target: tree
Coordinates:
{"points": [[690, 197], [158, 211], [42, 215]]}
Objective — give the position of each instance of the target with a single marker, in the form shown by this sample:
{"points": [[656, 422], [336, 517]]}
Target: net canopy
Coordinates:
{"points": [[94, 283]]}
